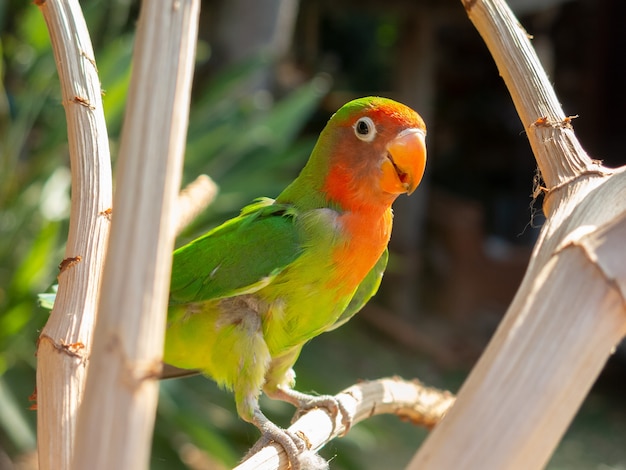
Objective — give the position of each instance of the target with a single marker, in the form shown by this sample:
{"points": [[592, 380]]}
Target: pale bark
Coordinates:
{"points": [[116, 417], [65, 341], [412, 401], [570, 310], [193, 199]]}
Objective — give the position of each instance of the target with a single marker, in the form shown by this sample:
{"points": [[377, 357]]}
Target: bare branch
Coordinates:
{"points": [[117, 414], [196, 197], [65, 341], [569, 312], [549, 130], [421, 405]]}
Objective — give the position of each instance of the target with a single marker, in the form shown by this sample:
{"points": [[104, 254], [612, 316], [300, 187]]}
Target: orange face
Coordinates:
{"points": [[378, 151]]}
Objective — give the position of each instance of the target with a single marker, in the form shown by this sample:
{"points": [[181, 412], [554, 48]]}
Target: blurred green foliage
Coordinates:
{"points": [[33, 211]]}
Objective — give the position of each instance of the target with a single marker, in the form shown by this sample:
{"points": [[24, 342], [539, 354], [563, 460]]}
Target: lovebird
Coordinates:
{"points": [[246, 296]]}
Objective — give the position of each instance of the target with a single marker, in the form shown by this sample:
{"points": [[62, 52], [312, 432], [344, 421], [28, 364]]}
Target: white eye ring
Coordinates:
{"points": [[365, 129]]}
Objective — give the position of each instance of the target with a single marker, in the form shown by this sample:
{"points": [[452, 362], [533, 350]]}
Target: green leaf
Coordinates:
{"points": [[13, 421]]}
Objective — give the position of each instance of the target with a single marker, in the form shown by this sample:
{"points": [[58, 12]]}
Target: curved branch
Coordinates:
{"points": [[61, 364], [569, 312], [549, 130], [409, 400]]}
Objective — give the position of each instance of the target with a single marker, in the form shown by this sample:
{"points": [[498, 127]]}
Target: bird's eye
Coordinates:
{"points": [[365, 129]]}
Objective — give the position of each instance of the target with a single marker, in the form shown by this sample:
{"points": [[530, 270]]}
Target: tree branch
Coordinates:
{"points": [[117, 414], [421, 405], [193, 199], [569, 312], [65, 341], [549, 130]]}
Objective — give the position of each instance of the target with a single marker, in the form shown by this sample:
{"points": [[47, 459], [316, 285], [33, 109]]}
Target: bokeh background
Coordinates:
{"points": [[269, 75]]}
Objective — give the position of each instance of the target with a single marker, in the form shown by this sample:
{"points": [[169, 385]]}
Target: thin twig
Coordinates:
{"points": [[193, 199]]}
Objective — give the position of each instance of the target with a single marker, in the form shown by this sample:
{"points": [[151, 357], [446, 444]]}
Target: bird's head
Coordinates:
{"points": [[374, 149]]}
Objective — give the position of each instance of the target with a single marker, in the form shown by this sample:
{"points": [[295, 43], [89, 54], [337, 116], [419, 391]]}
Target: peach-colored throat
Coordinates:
{"points": [[368, 237]]}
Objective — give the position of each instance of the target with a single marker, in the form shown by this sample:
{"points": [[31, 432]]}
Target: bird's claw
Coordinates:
{"points": [[332, 404], [293, 444]]}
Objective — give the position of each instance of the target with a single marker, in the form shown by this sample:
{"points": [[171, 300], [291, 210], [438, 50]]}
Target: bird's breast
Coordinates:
{"points": [[308, 297], [365, 238]]}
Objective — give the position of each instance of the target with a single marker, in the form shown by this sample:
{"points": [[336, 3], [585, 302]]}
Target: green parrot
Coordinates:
{"points": [[246, 296]]}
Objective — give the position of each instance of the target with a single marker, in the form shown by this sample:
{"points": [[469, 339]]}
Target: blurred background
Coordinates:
{"points": [[269, 75]]}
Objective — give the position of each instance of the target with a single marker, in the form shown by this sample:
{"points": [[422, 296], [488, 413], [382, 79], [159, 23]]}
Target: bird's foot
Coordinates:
{"points": [[292, 444], [305, 403]]}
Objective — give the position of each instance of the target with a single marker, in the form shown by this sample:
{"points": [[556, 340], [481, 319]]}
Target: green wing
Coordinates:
{"points": [[365, 291], [240, 256]]}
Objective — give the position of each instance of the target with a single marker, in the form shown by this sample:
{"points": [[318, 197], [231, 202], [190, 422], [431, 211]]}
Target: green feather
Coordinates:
{"points": [[240, 256]]}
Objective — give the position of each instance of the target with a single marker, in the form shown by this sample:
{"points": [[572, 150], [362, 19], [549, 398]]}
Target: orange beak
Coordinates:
{"points": [[405, 162]]}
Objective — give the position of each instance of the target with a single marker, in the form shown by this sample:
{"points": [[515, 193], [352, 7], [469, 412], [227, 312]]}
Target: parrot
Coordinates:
{"points": [[246, 296]]}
